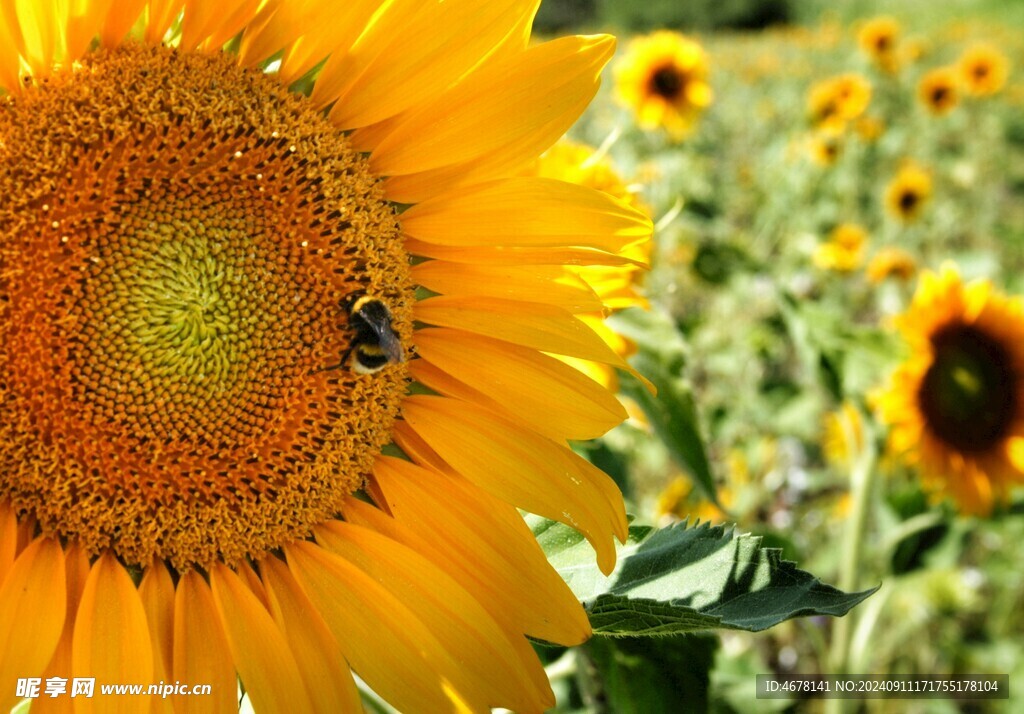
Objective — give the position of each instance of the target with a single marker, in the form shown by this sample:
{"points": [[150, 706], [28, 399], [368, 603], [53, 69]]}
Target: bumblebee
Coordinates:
{"points": [[374, 344]]}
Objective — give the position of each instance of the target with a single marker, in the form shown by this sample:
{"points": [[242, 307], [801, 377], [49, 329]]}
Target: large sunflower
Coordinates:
{"points": [[236, 441], [956, 406]]}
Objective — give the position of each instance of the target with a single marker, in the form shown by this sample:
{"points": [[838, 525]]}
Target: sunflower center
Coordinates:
{"points": [[177, 240], [908, 201], [667, 82], [969, 394], [940, 95]]}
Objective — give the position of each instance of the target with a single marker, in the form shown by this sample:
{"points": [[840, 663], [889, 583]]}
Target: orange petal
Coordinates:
{"points": [[264, 662], [76, 565], [160, 15], [383, 641], [33, 601], [117, 24], [557, 400], [214, 23], [494, 121], [409, 53], [201, 652], [498, 669], [157, 593], [551, 284], [324, 669], [527, 211], [522, 468], [111, 640], [441, 516], [8, 538]]}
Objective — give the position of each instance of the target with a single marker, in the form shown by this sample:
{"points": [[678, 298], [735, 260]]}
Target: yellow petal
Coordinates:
{"points": [[383, 641], [559, 401], [527, 211], [418, 49], [324, 669], [542, 327], [111, 640], [522, 468], [201, 652], [264, 662], [514, 255], [440, 516], [307, 31], [33, 601], [551, 284], [494, 121], [500, 670], [76, 567]]}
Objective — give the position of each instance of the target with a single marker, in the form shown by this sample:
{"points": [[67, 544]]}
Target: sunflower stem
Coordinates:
{"points": [[862, 480]]}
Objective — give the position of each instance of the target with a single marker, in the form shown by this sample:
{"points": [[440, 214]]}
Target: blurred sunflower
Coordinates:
{"points": [[983, 70], [908, 192], [193, 485], [837, 100], [842, 434], [879, 38], [843, 252], [663, 77], [825, 145], [890, 262], [937, 90], [956, 406], [616, 286]]}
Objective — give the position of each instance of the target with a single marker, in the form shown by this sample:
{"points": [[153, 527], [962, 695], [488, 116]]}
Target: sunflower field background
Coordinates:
{"points": [[842, 156]]}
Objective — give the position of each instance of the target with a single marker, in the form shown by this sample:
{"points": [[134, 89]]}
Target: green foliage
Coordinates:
{"points": [[679, 580], [694, 14], [644, 676], [671, 412]]}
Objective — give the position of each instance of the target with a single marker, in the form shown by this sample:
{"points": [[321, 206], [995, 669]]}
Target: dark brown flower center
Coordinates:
{"points": [[969, 394], [667, 82], [176, 237]]}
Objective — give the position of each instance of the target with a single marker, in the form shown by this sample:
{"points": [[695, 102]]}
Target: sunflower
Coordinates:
{"points": [[879, 38], [615, 287], [837, 100], [956, 406], [937, 90], [238, 441], [890, 262], [908, 192], [983, 70], [843, 252], [664, 78], [842, 434]]}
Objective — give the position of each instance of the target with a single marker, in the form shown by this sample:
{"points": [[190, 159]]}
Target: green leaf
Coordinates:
{"points": [[672, 414], [647, 676], [682, 579]]}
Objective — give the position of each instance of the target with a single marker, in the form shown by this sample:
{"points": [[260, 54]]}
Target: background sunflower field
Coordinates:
{"points": [[845, 153]]}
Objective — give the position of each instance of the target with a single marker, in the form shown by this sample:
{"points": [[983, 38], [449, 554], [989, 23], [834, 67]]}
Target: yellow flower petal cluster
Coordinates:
{"points": [[909, 191], [663, 78], [983, 69], [890, 262], [879, 40], [194, 487], [955, 407], [938, 90], [836, 101], [844, 250]]}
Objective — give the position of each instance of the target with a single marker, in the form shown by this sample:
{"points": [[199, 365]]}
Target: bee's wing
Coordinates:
{"points": [[390, 345]]}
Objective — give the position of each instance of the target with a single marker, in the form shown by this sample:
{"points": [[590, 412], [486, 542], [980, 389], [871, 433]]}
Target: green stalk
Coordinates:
{"points": [[862, 481]]}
